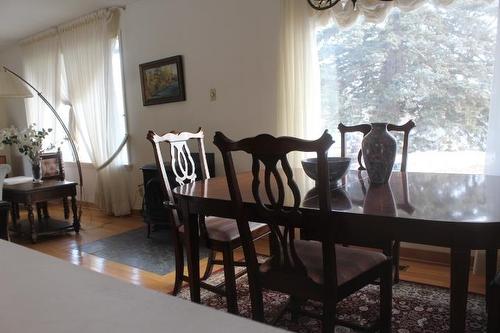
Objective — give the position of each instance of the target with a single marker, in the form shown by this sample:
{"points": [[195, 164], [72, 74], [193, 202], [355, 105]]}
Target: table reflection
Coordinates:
{"points": [[355, 193], [379, 200]]}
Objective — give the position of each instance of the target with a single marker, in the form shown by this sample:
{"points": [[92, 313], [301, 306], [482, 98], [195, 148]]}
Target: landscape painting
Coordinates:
{"points": [[162, 81]]}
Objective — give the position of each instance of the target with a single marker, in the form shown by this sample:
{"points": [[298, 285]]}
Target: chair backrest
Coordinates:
{"points": [[366, 128], [181, 161], [278, 200], [52, 165]]}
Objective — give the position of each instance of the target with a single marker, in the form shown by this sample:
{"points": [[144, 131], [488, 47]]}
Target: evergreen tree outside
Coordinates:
{"points": [[433, 65]]}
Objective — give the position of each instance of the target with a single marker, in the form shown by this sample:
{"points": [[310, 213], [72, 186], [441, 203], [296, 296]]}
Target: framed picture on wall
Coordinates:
{"points": [[162, 81]]}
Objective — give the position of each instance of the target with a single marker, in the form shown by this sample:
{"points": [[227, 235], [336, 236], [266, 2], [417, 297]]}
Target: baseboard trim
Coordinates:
{"points": [[427, 256]]}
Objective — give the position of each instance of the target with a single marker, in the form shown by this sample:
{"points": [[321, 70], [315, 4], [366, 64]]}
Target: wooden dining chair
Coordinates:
{"points": [[219, 234], [393, 248], [304, 269], [405, 129]]}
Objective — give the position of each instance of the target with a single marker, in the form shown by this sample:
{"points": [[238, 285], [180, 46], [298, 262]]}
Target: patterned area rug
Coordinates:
{"points": [[416, 308]]}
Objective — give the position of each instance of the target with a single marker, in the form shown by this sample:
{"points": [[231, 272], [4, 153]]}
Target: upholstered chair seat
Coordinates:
{"points": [[351, 262], [226, 230]]}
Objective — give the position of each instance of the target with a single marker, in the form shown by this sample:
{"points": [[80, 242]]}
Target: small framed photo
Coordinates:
{"points": [[162, 81]]}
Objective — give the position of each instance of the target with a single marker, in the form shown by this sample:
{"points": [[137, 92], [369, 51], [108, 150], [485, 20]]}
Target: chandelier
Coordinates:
{"points": [[326, 4]]}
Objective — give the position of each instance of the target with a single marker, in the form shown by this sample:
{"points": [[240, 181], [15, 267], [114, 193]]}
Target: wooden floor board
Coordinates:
{"points": [[97, 225]]}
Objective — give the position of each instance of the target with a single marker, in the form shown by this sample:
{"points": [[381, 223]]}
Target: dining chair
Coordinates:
{"points": [[393, 248], [219, 234], [304, 269]]}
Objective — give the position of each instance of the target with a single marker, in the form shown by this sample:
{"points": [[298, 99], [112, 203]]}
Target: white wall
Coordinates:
{"points": [[228, 45]]}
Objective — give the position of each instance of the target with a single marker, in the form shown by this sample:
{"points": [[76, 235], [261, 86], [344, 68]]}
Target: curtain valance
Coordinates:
{"points": [[374, 11], [110, 16]]}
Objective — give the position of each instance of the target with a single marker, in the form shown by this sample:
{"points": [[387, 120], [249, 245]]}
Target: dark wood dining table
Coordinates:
{"points": [[458, 211]]}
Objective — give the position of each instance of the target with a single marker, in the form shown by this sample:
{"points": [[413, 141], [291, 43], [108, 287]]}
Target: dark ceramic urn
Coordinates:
{"points": [[379, 153]]}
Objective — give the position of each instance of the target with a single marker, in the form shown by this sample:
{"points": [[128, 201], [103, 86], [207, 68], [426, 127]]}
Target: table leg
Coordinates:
{"points": [[491, 270], [45, 210], [191, 240], [13, 215], [460, 264], [76, 220], [31, 219], [66, 208], [4, 219], [39, 212]]}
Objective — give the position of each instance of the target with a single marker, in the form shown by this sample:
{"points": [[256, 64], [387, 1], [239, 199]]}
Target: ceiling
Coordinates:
{"points": [[22, 18]]}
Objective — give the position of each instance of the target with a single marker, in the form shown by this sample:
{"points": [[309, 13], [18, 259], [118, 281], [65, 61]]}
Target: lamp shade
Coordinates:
{"points": [[11, 86]]}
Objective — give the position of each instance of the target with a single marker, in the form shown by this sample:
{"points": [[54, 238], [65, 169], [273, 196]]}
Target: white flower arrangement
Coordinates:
{"points": [[29, 141]]}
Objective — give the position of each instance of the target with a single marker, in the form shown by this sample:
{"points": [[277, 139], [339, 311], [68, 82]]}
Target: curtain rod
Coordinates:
{"points": [[48, 31]]}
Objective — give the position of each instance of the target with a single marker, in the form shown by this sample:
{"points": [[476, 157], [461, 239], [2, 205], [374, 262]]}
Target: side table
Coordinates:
{"points": [[29, 194]]}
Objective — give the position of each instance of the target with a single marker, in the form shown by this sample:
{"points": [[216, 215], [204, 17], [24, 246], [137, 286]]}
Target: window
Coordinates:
{"points": [[433, 65], [64, 110]]}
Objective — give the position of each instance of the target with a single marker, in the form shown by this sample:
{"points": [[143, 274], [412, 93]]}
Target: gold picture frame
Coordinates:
{"points": [[162, 81]]}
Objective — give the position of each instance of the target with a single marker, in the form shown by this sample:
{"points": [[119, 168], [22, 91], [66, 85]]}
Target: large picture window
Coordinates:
{"points": [[433, 65]]}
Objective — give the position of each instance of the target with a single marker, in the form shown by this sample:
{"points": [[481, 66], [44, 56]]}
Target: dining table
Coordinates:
{"points": [[457, 211], [44, 294]]}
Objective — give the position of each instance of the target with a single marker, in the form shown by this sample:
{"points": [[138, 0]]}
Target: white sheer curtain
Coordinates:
{"points": [[42, 69], [86, 48], [299, 85]]}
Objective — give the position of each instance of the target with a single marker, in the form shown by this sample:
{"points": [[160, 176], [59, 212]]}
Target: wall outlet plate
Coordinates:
{"points": [[213, 94]]}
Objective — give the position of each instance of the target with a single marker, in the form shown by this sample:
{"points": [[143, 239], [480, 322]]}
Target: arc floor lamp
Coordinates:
{"points": [[12, 85]]}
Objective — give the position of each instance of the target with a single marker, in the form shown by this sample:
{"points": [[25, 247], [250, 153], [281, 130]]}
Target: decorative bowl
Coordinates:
{"points": [[337, 167]]}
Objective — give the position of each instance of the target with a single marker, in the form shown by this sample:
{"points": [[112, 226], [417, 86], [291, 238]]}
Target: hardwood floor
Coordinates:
{"points": [[96, 225]]}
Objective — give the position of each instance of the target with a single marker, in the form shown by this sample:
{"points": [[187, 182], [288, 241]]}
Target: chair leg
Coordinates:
{"points": [[295, 308], [149, 230], [386, 279], [179, 263], [395, 260], [230, 280], [494, 309], [66, 208], [210, 266], [328, 323]]}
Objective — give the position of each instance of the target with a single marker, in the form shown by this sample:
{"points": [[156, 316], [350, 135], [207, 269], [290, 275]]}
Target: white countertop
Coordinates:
{"points": [[42, 294]]}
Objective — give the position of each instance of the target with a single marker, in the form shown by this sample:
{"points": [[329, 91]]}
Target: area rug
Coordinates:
{"points": [[133, 248], [416, 308]]}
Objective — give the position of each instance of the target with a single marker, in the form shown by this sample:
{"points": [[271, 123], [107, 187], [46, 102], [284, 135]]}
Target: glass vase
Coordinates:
{"points": [[36, 168]]}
